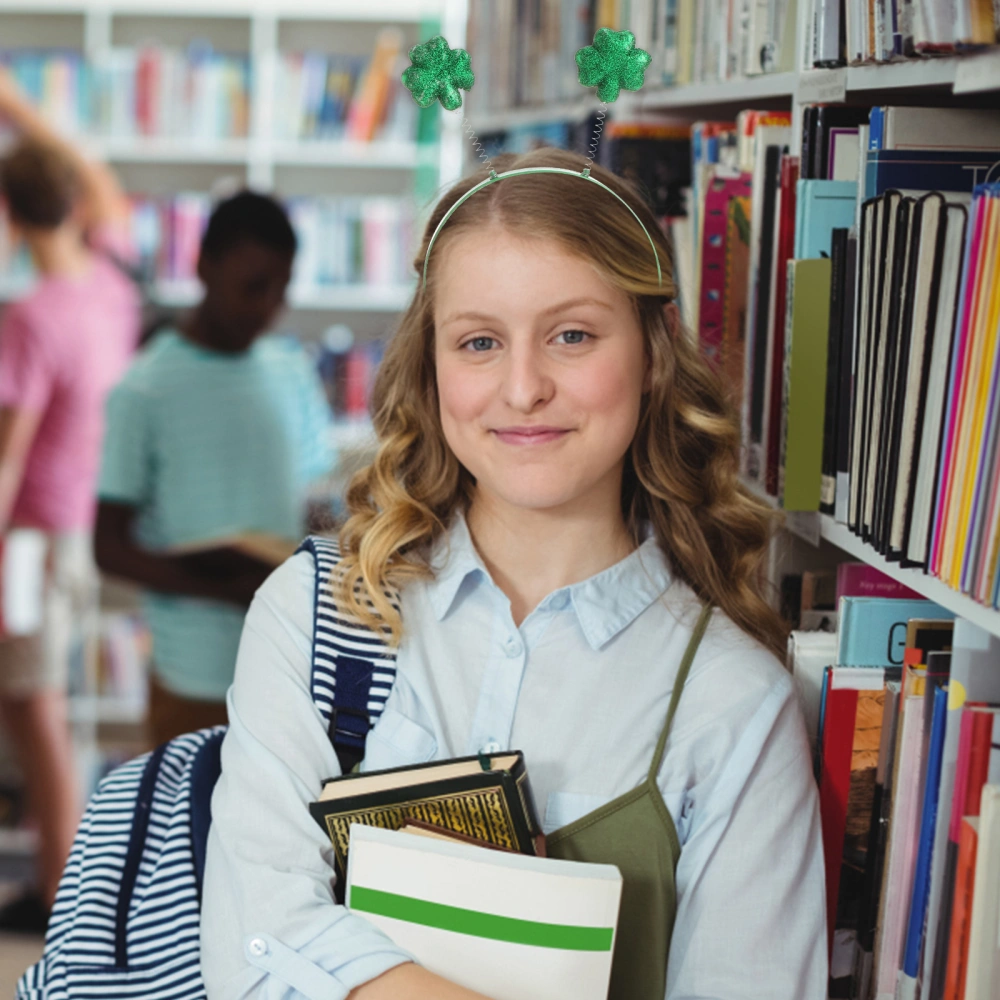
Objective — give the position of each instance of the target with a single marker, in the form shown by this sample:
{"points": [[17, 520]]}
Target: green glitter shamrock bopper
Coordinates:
{"points": [[613, 62], [437, 73]]}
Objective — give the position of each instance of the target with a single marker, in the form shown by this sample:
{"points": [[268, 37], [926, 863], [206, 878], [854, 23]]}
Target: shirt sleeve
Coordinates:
{"points": [[127, 459], [26, 371], [270, 925], [751, 919]]}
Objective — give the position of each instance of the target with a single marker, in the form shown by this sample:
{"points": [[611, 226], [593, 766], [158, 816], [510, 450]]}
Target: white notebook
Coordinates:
{"points": [[510, 926]]}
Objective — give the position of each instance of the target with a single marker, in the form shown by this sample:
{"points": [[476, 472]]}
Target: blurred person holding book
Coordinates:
{"points": [[214, 435], [63, 345], [554, 540]]}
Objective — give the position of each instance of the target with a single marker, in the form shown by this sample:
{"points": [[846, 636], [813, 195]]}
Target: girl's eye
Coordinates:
{"points": [[479, 344], [573, 336]]}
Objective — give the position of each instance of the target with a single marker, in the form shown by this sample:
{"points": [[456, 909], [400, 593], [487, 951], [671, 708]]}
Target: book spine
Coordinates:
{"points": [[831, 417]]}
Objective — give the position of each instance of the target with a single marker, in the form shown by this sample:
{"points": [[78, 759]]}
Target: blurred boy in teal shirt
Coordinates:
{"points": [[215, 430]]}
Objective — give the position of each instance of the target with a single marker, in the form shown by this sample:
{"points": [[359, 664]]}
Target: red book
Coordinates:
{"points": [[835, 787], [961, 914], [855, 579], [783, 254], [722, 189], [985, 721]]}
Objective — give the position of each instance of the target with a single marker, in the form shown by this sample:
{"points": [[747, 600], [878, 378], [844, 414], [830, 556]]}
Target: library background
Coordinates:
{"points": [[829, 174]]}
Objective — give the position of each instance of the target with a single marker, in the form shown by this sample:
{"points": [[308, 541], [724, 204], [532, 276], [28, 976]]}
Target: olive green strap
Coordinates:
{"points": [[682, 673]]}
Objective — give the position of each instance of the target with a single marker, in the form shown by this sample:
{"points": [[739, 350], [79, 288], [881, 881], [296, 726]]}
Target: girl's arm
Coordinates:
{"points": [[751, 919], [270, 925]]}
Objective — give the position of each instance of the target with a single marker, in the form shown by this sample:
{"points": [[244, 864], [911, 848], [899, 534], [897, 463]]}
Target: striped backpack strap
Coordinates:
{"points": [[353, 668]]}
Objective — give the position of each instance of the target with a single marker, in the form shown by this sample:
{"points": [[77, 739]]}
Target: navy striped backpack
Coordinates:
{"points": [[125, 922]]}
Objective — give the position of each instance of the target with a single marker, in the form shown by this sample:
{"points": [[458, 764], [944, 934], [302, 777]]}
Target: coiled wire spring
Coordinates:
{"points": [[602, 112], [477, 145]]}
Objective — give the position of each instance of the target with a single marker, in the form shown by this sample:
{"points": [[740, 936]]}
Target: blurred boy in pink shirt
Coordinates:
{"points": [[62, 348]]}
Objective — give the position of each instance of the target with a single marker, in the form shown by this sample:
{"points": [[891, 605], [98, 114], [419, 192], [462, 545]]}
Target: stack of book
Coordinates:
{"points": [[162, 92], [858, 31], [342, 241], [448, 859], [347, 372], [904, 706], [525, 53], [868, 358], [323, 95], [59, 83], [166, 234], [352, 240]]}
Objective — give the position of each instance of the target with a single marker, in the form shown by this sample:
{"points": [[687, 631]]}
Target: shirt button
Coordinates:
{"points": [[258, 947], [512, 646], [491, 747], [560, 602]]}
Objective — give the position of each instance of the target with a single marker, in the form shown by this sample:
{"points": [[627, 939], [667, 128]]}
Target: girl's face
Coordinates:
{"points": [[540, 369]]}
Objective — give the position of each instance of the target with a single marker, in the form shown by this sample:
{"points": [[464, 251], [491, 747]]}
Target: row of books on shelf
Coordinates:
{"points": [[902, 703], [342, 241], [335, 96], [525, 53], [197, 93], [848, 290], [347, 371], [843, 32]]}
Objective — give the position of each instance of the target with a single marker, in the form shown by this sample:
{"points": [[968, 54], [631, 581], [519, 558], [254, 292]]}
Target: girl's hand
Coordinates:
{"points": [[412, 982]]}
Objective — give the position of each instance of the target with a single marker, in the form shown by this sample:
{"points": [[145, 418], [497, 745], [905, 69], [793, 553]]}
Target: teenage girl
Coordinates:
{"points": [[556, 501]]}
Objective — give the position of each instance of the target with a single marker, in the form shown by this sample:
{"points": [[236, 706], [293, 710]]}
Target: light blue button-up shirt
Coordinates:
{"points": [[582, 687]]}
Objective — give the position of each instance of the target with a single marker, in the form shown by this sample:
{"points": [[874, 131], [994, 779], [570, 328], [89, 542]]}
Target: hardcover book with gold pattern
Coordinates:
{"points": [[483, 798]]}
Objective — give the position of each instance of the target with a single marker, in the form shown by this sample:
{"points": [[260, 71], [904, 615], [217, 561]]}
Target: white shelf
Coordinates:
{"points": [[766, 86], [360, 298], [501, 121], [148, 149], [974, 72], [813, 525], [357, 298], [931, 588], [335, 153]]}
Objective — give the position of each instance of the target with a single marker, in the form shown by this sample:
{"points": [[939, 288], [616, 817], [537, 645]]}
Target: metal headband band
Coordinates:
{"points": [[494, 177]]}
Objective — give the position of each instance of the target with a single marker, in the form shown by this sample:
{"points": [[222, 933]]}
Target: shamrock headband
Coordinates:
{"points": [[438, 72]]}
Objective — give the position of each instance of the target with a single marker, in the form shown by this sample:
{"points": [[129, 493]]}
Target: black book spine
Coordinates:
{"points": [[903, 388], [831, 416], [808, 141], [821, 130], [893, 386], [846, 374], [761, 318]]}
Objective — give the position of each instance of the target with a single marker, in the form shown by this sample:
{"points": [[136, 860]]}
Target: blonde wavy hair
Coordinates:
{"points": [[681, 472]]}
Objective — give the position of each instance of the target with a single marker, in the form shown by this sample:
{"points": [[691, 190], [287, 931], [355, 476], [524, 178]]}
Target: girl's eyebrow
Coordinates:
{"points": [[558, 307]]}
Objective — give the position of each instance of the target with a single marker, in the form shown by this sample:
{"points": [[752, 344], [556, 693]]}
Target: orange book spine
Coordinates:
{"points": [[958, 945]]}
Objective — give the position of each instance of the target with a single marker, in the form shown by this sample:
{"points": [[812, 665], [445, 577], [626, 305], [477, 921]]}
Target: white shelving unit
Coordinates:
{"points": [[263, 29]]}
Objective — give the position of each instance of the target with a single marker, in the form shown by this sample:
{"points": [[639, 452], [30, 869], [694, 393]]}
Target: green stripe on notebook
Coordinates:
{"points": [[478, 924]]}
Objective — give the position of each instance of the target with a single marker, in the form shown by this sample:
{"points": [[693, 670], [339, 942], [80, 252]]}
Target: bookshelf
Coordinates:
{"points": [[263, 32], [972, 79]]}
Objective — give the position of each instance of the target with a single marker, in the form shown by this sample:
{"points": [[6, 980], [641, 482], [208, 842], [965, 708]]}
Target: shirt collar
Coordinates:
{"points": [[604, 604]]}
